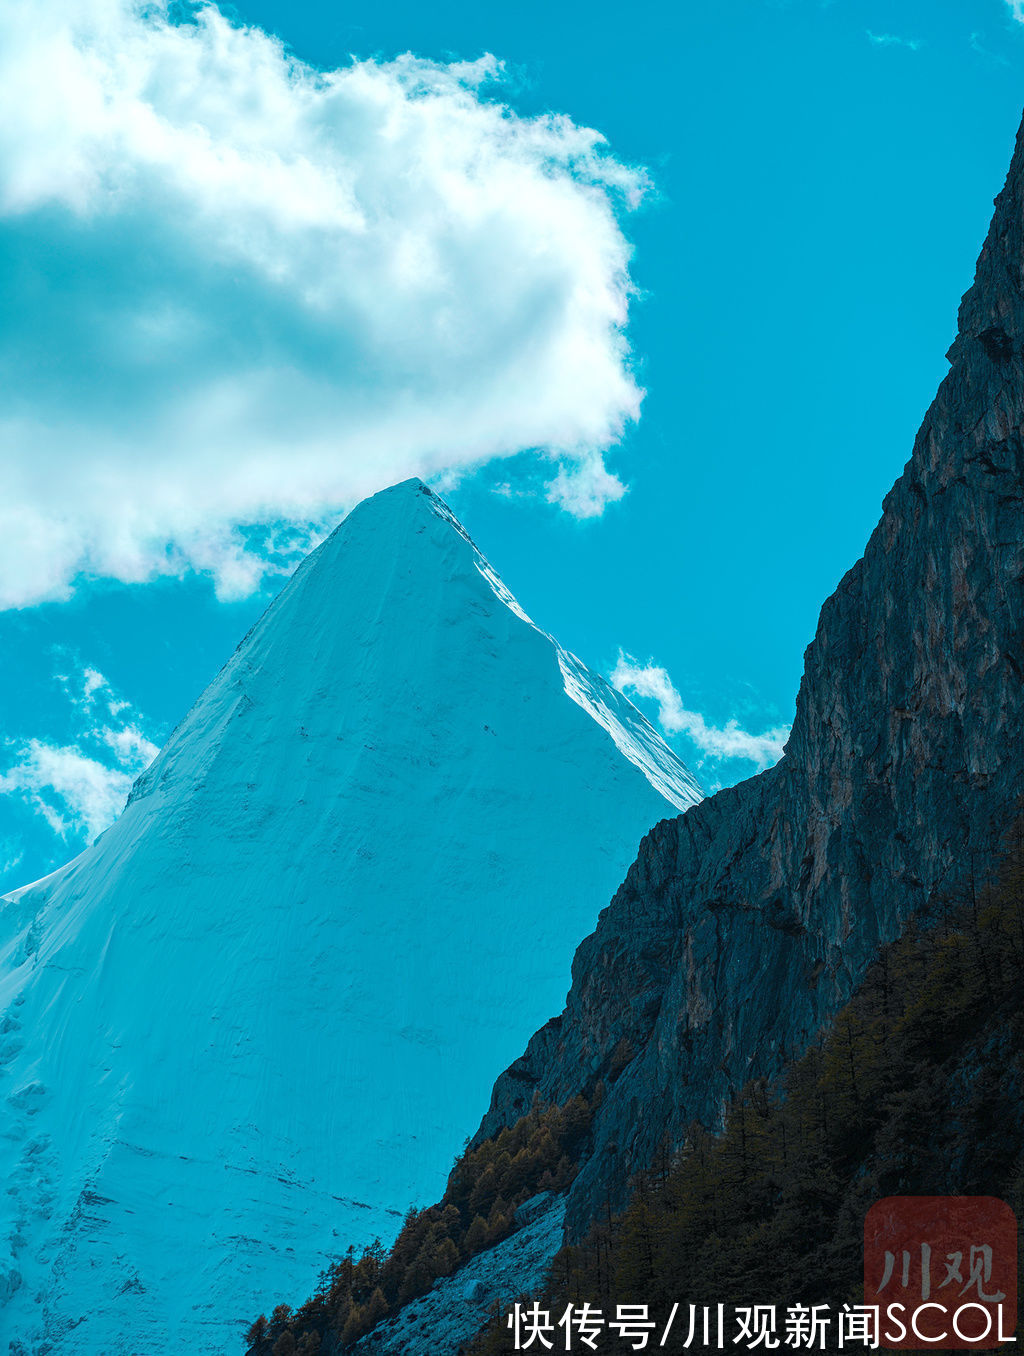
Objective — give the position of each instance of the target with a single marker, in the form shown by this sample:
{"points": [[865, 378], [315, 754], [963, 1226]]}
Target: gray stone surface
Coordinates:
{"points": [[536, 1205], [456, 1308], [747, 921]]}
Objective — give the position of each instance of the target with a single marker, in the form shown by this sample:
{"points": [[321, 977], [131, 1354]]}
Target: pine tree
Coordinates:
{"points": [[476, 1236], [257, 1338], [376, 1309], [355, 1326], [483, 1194]]}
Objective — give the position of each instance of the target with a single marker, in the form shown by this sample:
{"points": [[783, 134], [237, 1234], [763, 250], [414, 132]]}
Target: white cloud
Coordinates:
{"points": [[1016, 10], [893, 40], [585, 487], [79, 789], [728, 741], [73, 792], [241, 291]]}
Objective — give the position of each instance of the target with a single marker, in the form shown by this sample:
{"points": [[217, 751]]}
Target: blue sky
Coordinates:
{"points": [[721, 325]]}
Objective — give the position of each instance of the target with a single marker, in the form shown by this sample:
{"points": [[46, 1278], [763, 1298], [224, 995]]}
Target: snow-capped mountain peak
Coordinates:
{"points": [[252, 1022]]}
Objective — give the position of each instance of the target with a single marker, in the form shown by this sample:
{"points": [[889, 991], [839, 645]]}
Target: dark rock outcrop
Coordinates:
{"points": [[744, 924]]}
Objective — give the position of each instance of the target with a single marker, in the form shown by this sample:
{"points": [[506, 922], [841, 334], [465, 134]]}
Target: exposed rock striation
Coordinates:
{"points": [[746, 922]]}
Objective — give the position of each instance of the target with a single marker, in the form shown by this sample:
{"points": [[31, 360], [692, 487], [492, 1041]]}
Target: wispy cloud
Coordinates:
{"points": [[717, 742], [894, 40], [978, 46], [1016, 8], [80, 788], [11, 857], [289, 286]]}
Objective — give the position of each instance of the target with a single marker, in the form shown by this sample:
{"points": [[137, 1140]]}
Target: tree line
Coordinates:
{"points": [[916, 1089]]}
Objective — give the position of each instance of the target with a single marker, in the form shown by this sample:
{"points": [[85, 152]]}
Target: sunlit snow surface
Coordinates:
{"points": [[256, 1019]]}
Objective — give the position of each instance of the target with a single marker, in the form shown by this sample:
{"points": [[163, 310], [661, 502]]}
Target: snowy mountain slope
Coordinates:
{"points": [[251, 1023]]}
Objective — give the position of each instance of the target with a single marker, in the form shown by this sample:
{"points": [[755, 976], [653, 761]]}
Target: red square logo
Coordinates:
{"points": [[942, 1270]]}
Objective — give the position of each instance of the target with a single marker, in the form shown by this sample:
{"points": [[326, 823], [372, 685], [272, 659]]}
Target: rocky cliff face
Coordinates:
{"points": [[745, 923]]}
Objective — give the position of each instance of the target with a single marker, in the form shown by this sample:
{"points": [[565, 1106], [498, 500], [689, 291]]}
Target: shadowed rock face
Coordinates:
{"points": [[747, 921]]}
